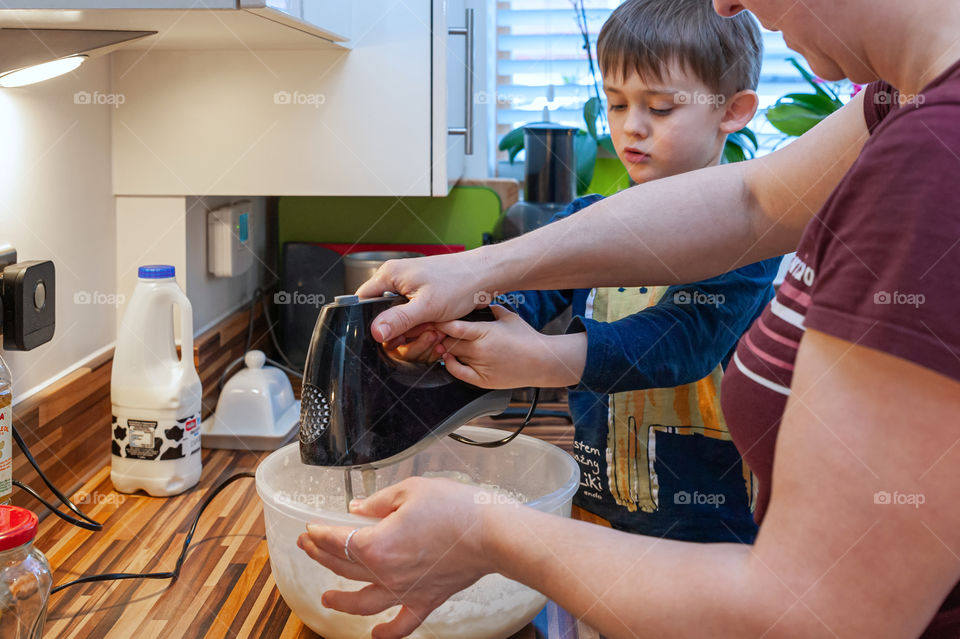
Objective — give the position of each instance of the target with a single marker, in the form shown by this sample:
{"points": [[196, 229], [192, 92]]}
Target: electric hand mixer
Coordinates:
{"points": [[363, 409]]}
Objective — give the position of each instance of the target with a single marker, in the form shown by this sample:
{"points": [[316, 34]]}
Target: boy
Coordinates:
{"points": [[654, 452]]}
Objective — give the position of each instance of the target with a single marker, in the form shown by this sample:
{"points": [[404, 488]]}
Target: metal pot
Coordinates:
{"points": [[360, 267]]}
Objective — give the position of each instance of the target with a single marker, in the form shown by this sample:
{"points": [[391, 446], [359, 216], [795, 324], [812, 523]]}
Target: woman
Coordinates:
{"points": [[843, 397]]}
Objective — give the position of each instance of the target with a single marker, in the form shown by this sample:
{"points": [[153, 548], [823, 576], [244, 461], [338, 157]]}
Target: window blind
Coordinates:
{"points": [[542, 69]]}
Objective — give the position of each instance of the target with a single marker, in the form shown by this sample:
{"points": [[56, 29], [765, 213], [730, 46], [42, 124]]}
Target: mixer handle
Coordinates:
{"points": [[497, 443]]}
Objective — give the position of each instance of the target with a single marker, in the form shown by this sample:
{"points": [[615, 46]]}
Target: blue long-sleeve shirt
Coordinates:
{"points": [[671, 343]]}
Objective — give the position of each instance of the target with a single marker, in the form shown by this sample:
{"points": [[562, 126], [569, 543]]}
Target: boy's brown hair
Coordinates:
{"points": [[646, 36]]}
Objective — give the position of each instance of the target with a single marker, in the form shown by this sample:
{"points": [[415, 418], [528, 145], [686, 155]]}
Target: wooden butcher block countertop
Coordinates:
{"points": [[225, 589]]}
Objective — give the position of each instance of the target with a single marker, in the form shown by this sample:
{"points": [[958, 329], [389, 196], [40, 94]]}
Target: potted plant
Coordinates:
{"points": [[796, 113]]}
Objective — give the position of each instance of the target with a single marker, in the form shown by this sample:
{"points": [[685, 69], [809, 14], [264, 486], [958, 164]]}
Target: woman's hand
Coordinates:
{"points": [[440, 287], [509, 353], [428, 547]]}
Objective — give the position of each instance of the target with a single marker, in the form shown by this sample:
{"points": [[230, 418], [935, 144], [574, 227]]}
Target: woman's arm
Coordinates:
{"points": [[693, 226], [671, 231], [831, 558]]}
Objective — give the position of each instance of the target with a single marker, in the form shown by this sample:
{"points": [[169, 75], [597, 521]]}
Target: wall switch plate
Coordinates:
{"points": [[229, 240]]}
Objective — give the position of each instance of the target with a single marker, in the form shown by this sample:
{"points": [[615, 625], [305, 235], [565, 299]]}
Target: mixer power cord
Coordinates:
{"points": [[83, 522], [88, 523], [497, 443], [175, 573]]}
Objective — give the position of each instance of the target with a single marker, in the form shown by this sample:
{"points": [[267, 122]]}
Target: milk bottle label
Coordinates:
{"points": [[153, 439]]}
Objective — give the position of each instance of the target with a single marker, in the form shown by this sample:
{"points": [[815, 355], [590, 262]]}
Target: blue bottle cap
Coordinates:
{"points": [[156, 272]]}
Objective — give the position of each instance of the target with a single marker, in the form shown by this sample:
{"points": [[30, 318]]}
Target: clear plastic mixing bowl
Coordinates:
{"points": [[293, 494]]}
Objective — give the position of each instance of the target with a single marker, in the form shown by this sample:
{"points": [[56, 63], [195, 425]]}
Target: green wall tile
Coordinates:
{"points": [[461, 218]]}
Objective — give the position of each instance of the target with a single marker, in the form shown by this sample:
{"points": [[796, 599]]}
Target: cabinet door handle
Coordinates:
{"points": [[467, 130]]}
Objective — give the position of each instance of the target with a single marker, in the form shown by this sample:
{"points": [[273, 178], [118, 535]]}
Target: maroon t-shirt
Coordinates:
{"points": [[879, 266]]}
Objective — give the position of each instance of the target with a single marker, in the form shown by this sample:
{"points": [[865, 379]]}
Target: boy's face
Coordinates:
{"points": [[666, 128]]}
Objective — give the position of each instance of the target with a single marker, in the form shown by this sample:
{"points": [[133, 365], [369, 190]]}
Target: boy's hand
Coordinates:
{"points": [[418, 345], [509, 353]]}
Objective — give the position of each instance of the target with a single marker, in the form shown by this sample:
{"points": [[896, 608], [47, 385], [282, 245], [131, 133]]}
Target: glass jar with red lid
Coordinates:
{"points": [[25, 577]]}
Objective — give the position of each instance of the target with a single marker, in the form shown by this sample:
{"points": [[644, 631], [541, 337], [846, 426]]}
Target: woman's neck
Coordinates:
{"points": [[928, 46]]}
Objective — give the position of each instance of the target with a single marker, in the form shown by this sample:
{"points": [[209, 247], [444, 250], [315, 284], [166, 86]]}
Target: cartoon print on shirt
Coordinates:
{"points": [[634, 418]]}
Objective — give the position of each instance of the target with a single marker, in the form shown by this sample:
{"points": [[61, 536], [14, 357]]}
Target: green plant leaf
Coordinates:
{"points": [[813, 101], [585, 154], [512, 143], [591, 110], [733, 152], [793, 119], [605, 142], [750, 135], [813, 82], [510, 139], [741, 145]]}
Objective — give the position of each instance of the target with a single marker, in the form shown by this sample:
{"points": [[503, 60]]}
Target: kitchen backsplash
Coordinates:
{"points": [[461, 218]]}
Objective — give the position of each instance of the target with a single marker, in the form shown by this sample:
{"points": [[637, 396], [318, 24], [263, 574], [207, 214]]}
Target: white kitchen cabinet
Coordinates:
{"points": [[329, 15], [191, 24], [371, 120], [453, 61]]}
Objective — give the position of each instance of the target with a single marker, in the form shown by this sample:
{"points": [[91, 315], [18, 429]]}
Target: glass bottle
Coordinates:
{"points": [[25, 577], [6, 443]]}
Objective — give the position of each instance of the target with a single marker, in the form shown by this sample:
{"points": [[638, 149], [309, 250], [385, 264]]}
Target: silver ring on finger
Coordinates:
{"points": [[346, 546]]}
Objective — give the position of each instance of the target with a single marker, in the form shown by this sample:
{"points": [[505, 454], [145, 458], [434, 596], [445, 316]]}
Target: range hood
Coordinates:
{"points": [[194, 24]]}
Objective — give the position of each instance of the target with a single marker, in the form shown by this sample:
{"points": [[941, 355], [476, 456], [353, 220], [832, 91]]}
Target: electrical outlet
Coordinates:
{"points": [[27, 300]]}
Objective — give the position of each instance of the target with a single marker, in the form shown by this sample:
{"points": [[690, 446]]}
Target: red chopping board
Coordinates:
{"points": [[426, 249]]}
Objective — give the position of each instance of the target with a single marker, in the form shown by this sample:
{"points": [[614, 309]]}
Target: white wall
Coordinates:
{"points": [[56, 203], [173, 230], [150, 230]]}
